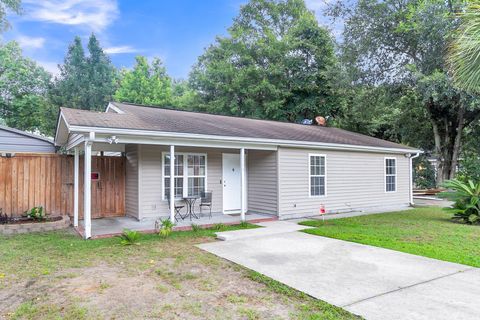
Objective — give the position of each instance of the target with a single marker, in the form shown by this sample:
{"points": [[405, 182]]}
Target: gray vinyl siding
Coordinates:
{"points": [[151, 178], [262, 182], [12, 141], [355, 181], [131, 180]]}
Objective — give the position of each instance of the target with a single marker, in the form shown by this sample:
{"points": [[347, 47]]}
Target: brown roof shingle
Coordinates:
{"points": [[178, 121]]}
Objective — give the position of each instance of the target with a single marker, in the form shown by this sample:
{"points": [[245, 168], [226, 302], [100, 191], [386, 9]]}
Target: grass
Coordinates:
{"points": [[428, 232], [178, 280], [45, 253]]}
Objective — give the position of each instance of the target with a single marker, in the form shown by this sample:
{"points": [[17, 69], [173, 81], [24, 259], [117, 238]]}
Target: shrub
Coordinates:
{"points": [[166, 228], [195, 227], [469, 168], [423, 173], [129, 237], [36, 213], [467, 200], [244, 224], [219, 226]]}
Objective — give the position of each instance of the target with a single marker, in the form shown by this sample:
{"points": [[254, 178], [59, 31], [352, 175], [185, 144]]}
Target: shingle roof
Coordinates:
{"points": [[178, 121]]}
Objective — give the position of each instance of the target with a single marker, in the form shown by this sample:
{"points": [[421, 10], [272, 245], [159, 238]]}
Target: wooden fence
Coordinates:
{"points": [[28, 180]]}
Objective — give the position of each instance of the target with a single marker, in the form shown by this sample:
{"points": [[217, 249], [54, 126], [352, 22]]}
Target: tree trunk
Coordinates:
{"points": [[458, 142], [438, 152]]}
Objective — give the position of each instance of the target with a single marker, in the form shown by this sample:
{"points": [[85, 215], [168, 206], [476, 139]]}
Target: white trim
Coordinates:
{"points": [[310, 155], [385, 174], [87, 188], [114, 108], [172, 183], [139, 181], [61, 117], [260, 141], [76, 183], [185, 175], [411, 177], [242, 184]]}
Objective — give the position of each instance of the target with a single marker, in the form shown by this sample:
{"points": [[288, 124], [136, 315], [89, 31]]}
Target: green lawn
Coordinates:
{"points": [[57, 275], [426, 232]]}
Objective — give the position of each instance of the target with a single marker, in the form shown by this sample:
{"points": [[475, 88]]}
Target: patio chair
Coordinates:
{"points": [[176, 207], [206, 201]]}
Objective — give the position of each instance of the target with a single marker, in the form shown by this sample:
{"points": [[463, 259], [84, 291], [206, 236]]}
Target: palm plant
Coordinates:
{"points": [[464, 55], [129, 237], [166, 228], [467, 200]]}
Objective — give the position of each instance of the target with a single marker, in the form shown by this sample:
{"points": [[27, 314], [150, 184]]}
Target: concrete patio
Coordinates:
{"points": [[107, 227]]}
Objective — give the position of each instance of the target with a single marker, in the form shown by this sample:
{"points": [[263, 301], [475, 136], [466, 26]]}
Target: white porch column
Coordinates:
{"points": [[172, 184], [87, 182], [75, 187], [242, 184]]}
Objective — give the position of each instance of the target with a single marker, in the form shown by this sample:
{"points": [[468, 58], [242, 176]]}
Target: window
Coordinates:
{"points": [[317, 175], [390, 174], [190, 174]]}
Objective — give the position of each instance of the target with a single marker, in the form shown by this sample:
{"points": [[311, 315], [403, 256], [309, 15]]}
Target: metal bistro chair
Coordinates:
{"points": [[176, 207], [206, 201]]}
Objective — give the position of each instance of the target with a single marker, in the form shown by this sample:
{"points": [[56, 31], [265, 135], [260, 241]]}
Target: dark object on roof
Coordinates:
{"points": [[149, 118], [14, 140]]}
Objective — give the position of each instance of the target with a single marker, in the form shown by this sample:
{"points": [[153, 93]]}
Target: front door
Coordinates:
{"points": [[231, 183]]}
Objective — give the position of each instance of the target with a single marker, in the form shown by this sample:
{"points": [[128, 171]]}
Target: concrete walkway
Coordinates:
{"points": [[373, 282]]}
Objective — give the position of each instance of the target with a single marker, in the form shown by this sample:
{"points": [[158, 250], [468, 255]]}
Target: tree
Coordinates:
{"points": [[85, 82], [276, 63], [5, 5], [402, 42], [23, 91], [145, 84], [465, 49]]}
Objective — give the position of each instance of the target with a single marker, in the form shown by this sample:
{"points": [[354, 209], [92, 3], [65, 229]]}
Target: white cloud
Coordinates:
{"points": [[30, 42], [120, 49], [50, 66], [94, 14]]}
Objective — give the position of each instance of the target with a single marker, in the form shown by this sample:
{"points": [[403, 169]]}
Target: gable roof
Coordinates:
{"points": [[148, 118]]}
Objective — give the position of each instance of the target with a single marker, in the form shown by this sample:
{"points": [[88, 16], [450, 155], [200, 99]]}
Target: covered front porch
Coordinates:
{"points": [[107, 227], [242, 179]]}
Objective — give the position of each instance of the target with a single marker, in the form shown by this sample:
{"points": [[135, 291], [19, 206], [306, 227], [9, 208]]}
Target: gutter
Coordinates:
{"points": [[411, 176], [212, 138]]}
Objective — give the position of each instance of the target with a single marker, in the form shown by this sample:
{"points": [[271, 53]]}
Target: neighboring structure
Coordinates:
{"points": [[17, 141], [257, 166]]}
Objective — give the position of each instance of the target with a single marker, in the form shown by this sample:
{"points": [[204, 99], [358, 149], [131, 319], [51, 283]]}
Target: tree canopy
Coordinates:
{"points": [[85, 82], [403, 43], [276, 63], [23, 90], [146, 84]]}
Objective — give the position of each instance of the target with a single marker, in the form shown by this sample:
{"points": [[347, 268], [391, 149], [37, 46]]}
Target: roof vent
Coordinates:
{"points": [[321, 121]]}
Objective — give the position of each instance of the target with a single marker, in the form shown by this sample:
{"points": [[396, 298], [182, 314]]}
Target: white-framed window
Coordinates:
{"points": [[390, 174], [317, 175], [190, 174]]}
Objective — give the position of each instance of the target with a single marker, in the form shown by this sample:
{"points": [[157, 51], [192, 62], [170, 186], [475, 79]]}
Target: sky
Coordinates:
{"points": [[177, 31]]}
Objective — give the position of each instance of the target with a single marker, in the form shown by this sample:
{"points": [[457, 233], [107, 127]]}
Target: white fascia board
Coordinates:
{"points": [[61, 119], [74, 140], [241, 140]]}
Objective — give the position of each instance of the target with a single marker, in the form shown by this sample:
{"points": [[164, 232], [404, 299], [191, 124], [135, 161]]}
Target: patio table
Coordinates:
{"points": [[190, 201]]}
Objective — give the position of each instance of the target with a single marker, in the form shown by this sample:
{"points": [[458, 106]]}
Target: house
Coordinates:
{"points": [[251, 166], [16, 141]]}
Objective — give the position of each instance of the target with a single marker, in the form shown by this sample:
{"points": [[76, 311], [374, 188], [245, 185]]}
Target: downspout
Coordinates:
{"points": [[411, 177]]}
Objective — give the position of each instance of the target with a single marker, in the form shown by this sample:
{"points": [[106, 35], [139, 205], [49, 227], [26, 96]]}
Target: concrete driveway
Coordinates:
{"points": [[372, 282]]}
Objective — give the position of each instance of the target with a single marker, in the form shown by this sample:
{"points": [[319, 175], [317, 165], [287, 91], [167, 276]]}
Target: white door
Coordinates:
{"points": [[231, 183]]}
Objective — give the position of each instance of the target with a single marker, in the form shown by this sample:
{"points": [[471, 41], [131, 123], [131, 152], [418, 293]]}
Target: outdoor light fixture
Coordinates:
{"points": [[112, 139]]}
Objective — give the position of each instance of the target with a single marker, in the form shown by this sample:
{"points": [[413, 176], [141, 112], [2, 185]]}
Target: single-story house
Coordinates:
{"points": [[251, 166], [16, 141]]}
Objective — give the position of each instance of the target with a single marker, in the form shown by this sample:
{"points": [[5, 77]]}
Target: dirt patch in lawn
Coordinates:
{"points": [[155, 280]]}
